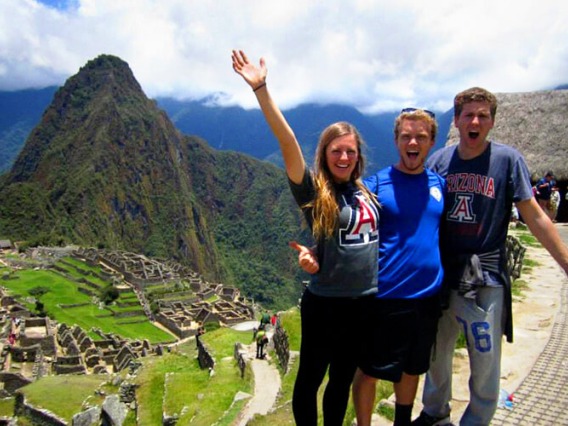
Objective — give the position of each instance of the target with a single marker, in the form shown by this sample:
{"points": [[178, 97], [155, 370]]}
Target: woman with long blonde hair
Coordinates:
{"points": [[343, 216]]}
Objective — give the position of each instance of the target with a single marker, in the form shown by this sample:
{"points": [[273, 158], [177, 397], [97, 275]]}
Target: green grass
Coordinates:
{"points": [[82, 265], [65, 292], [7, 407], [529, 264], [151, 381], [525, 236], [290, 321], [527, 239], [64, 395], [189, 392], [74, 273]]}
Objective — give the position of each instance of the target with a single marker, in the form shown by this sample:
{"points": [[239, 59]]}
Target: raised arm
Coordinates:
{"points": [[256, 79]]}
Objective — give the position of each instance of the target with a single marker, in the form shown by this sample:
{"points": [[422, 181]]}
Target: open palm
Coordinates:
{"points": [[252, 74]]}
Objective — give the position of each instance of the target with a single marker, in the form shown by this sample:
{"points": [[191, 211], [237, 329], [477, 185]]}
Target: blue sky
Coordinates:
{"points": [[59, 4], [375, 55]]}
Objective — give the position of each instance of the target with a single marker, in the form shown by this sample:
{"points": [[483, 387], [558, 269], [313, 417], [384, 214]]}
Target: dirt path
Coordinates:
{"points": [[266, 388], [266, 379]]}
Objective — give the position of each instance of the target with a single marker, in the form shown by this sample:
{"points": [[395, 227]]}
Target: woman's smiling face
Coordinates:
{"points": [[342, 155]]}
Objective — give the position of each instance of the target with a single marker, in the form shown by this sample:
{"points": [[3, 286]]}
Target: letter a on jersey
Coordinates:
{"points": [[462, 210]]}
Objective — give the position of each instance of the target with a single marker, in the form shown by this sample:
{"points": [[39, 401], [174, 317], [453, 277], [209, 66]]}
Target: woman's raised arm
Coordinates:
{"points": [[255, 76]]}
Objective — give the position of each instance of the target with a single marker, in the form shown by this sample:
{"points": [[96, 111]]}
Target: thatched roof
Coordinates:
{"points": [[536, 123]]}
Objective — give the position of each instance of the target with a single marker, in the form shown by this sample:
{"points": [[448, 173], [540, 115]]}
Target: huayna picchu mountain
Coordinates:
{"points": [[106, 167]]}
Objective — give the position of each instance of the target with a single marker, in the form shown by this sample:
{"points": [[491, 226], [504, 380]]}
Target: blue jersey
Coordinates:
{"points": [[411, 209]]}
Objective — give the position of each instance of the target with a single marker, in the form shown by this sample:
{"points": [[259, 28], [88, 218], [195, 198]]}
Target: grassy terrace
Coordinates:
{"points": [[64, 292], [172, 385], [65, 395], [189, 392]]}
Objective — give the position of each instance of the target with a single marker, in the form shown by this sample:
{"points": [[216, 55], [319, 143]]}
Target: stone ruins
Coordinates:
{"points": [[37, 346]]}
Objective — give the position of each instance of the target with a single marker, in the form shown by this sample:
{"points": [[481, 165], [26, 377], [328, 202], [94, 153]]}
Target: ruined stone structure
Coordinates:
{"points": [[41, 346], [37, 346], [281, 346], [183, 311], [515, 255], [205, 359]]}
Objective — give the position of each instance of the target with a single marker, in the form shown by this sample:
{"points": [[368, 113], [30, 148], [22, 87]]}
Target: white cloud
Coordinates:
{"points": [[373, 54]]}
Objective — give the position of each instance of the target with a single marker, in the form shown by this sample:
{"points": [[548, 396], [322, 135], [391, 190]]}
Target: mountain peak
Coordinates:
{"points": [[104, 70], [87, 107]]}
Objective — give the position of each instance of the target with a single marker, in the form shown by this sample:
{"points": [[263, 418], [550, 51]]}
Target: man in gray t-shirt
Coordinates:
{"points": [[484, 178]]}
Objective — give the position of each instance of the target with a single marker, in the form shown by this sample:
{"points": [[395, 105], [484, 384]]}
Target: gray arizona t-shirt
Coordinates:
{"points": [[480, 195], [349, 260]]}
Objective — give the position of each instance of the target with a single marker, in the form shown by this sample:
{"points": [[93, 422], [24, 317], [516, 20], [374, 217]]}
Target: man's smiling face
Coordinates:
{"points": [[413, 144]]}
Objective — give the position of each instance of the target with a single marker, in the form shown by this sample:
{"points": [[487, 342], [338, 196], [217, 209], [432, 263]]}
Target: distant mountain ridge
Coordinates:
{"points": [[245, 131], [226, 128], [231, 128], [20, 112]]}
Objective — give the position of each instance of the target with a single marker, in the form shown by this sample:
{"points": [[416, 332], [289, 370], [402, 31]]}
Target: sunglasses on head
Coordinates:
{"points": [[411, 110]]}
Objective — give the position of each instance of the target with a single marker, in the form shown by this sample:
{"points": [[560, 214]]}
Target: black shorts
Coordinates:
{"points": [[399, 334]]}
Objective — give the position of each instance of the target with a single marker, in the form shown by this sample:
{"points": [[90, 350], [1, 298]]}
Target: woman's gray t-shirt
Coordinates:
{"points": [[348, 260]]}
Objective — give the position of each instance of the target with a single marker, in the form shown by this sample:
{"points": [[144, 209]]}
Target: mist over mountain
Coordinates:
{"points": [[236, 129], [245, 131]]}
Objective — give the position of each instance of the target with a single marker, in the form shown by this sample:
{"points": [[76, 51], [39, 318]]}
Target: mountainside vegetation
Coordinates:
{"points": [[107, 168]]}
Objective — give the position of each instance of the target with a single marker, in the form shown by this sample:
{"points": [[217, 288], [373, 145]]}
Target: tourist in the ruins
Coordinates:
{"points": [[343, 217], [264, 320], [261, 341], [543, 193]]}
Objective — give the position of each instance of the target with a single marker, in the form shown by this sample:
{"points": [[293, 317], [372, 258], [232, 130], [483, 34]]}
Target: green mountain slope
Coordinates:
{"points": [[106, 167]]}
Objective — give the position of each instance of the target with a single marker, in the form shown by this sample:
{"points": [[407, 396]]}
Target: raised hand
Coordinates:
{"points": [[253, 75], [306, 258]]}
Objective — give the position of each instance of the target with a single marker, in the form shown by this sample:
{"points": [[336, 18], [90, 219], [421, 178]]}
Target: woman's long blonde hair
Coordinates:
{"points": [[325, 211]]}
